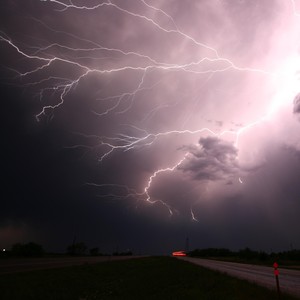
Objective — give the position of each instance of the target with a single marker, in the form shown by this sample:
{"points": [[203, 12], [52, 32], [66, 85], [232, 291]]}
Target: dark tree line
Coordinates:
{"points": [[32, 249], [77, 249], [27, 250], [246, 254]]}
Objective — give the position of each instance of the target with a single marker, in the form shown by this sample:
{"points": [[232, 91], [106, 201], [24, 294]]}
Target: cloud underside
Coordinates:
{"points": [[212, 159]]}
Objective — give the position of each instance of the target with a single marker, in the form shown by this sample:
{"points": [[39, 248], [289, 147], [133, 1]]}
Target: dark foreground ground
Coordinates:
{"points": [[16, 265], [142, 278]]}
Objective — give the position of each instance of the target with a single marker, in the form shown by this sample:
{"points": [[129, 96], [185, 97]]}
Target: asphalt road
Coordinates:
{"points": [[13, 265], [289, 280]]}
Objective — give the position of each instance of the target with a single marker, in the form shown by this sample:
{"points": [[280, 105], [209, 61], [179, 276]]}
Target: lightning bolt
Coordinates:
{"points": [[79, 60], [193, 215]]}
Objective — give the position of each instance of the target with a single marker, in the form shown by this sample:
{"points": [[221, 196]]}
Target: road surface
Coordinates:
{"points": [[13, 265], [289, 280]]}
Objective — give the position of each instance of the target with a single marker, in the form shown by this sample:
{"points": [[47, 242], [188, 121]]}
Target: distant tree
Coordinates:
{"points": [[211, 252], [94, 251], [125, 253], [77, 249], [28, 250], [16, 249], [293, 255], [247, 254], [263, 256]]}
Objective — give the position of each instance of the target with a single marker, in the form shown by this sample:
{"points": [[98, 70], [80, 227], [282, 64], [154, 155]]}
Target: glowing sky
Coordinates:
{"points": [[134, 124]]}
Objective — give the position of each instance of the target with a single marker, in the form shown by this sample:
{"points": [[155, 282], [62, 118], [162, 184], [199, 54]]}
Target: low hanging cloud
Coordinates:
{"points": [[212, 159]]}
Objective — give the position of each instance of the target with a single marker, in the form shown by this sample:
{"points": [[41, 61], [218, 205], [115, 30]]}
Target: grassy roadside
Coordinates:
{"points": [[143, 278]]}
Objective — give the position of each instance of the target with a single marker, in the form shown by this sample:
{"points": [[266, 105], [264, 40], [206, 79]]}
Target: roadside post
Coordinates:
{"points": [[276, 273]]}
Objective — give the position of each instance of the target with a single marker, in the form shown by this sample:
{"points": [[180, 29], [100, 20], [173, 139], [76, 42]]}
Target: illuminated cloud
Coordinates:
{"points": [[213, 159]]}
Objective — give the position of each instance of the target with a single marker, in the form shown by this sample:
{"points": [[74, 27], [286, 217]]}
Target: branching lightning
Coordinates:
{"points": [[47, 57]]}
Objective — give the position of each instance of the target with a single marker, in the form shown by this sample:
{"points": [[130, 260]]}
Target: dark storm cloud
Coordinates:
{"points": [[274, 193], [213, 159]]}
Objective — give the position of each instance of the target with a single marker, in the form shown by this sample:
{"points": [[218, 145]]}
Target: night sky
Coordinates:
{"points": [[136, 124]]}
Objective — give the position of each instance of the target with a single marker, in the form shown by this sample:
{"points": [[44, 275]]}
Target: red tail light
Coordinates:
{"points": [[179, 253]]}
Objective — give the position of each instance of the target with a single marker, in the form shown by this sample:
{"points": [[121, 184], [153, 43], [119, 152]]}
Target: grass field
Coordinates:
{"points": [[142, 278]]}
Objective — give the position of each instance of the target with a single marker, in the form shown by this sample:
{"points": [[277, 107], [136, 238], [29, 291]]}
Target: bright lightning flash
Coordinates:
{"points": [[47, 61]]}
